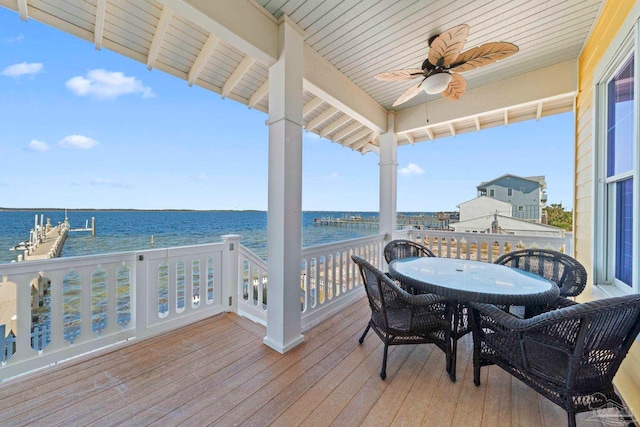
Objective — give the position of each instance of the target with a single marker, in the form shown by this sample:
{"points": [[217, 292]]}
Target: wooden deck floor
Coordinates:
{"points": [[218, 372]]}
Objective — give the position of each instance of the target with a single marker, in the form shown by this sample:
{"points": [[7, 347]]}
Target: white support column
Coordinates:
{"points": [[389, 179], [284, 222]]}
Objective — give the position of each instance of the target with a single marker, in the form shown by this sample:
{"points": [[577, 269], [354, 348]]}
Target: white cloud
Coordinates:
{"points": [[199, 177], [411, 169], [23, 69], [104, 84], [78, 141], [17, 39], [109, 183], [36, 145]]}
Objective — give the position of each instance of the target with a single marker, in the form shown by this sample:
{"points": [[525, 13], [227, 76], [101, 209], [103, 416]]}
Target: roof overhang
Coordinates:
{"points": [[540, 93], [228, 46]]}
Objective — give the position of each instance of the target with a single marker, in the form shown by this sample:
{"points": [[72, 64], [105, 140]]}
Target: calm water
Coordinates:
{"points": [[120, 231]]}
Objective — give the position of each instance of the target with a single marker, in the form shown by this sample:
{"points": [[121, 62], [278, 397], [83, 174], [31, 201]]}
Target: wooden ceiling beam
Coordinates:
{"points": [[373, 138], [158, 36], [321, 118], [506, 118], [430, 133], [452, 128], [23, 10], [360, 145], [539, 111], [346, 131], [203, 57], [311, 105], [259, 94], [237, 75], [342, 120], [477, 120], [98, 32], [410, 138], [356, 136]]}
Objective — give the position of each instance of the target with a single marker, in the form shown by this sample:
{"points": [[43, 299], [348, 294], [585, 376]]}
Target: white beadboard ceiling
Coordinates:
{"points": [[227, 46]]}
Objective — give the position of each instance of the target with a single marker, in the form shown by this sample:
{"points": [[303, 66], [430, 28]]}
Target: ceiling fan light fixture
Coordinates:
{"points": [[436, 83]]}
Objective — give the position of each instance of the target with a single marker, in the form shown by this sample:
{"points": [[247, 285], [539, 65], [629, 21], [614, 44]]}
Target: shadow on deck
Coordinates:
{"points": [[218, 372]]}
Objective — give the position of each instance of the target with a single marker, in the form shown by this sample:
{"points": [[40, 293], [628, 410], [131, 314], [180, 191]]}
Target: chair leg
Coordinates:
{"points": [[451, 341], [364, 334], [476, 347], [476, 375], [383, 371], [454, 342], [571, 418]]}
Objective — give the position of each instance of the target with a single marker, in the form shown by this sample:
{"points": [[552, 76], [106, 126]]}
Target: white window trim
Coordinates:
{"points": [[626, 42]]}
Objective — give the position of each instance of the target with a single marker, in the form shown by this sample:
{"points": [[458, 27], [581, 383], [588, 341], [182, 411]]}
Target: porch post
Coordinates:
{"points": [[389, 179], [230, 271], [284, 220]]}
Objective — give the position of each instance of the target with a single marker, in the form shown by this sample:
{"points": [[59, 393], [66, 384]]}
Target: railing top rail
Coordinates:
{"points": [[341, 244], [53, 263], [251, 256]]}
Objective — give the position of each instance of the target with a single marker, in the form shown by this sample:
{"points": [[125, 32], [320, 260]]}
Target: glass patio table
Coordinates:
{"points": [[466, 281]]}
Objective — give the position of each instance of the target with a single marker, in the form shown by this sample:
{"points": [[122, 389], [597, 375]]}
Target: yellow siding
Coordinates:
{"points": [[610, 20]]}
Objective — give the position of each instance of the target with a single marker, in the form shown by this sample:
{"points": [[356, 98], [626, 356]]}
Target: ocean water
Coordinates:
{"points": [[121, 231]]}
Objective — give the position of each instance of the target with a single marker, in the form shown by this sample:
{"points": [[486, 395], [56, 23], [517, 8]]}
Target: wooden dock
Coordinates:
{"points": [[49, 246], [46, 241], [440, 220]]}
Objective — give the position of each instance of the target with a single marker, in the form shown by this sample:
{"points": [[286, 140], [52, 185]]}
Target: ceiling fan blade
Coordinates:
{"points": [[445, 48], [483, 55], [408, 94], [457, 87], [397, 75]]}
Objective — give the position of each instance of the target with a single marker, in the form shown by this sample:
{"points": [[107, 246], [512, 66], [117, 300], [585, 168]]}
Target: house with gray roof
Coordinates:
{"points": [[526, 195]]}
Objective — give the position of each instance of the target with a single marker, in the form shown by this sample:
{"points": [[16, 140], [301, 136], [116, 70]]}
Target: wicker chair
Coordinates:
{"points": [[397, 249], [561, 269], [400, 248], [568, 354], [398, 317]]}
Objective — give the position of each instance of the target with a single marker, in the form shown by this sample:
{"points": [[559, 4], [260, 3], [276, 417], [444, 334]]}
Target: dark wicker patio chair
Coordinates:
{"points": [[398, 317], [561, 269], [400, 248], [569, 354]]}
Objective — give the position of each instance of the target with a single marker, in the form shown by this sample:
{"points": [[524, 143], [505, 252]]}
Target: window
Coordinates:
{"points": [[520, 208], [492, 193], [619, 160], [509, 192], [616, 170]]}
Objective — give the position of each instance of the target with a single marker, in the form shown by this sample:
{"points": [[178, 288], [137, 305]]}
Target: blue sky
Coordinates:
{"points": [[82, 128]]}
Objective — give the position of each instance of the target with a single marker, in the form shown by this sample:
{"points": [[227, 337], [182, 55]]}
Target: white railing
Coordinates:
{"points": [[484, 246], [329, 280], [65, 307], [252, 286]]}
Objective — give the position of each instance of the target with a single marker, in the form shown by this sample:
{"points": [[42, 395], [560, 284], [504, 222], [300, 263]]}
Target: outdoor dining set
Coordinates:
{"points": [[520, 311]]}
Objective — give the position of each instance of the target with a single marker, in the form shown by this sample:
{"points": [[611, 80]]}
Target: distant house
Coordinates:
{"points": [[526, 196], [502, 224], [483, 206]]}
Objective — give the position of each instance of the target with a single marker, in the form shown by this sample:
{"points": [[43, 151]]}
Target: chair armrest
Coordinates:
{"points": [[509, 321], [416, 300], [422, 299], [560, 302]]}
